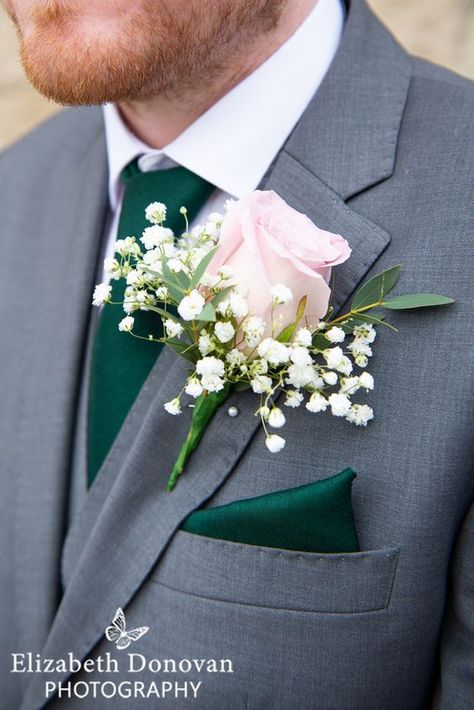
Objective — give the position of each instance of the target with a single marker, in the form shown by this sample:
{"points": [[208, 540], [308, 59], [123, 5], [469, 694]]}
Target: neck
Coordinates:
{"points": [[158, 120]]}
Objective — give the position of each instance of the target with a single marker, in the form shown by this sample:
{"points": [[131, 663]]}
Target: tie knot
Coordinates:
{"points": [[174, 187]]}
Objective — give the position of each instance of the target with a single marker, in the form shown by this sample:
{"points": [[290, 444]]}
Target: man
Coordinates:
{"points": [[316, 101]]}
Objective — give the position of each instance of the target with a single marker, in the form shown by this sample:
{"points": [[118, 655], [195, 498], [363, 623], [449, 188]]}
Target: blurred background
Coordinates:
{"points": [[439, 30]]}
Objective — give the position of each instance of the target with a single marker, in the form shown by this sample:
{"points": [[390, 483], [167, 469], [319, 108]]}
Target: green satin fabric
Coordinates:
{"points": [[120, 362], [316, 517]]}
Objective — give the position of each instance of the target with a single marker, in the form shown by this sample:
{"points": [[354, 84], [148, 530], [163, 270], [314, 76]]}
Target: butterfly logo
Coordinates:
{"points": [[117, 632]]}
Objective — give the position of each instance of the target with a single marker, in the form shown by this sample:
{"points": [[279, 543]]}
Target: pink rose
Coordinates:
{"points": [[266, 242]]}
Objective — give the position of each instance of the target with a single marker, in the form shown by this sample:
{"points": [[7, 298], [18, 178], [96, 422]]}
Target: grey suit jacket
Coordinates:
{"points": [[381, 156]]}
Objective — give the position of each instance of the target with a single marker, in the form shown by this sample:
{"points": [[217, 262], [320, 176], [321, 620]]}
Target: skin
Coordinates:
{"points": [[164, 62]]}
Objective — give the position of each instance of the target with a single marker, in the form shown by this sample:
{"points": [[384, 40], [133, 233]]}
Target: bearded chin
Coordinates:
{"points": [[72, 73], [145, 52]]}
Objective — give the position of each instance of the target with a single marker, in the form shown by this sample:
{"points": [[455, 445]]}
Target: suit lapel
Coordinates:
{"points": [[128, 504], [53, 327]]}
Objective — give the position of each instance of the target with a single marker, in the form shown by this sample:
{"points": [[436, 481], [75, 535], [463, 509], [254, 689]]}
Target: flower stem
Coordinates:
{"points": [[205, 407]]}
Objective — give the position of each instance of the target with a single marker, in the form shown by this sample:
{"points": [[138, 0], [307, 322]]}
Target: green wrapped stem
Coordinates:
{"points": [[205, 407]]}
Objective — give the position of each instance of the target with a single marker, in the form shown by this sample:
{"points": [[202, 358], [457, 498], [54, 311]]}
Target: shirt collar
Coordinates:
{"points": [[233, 144]]}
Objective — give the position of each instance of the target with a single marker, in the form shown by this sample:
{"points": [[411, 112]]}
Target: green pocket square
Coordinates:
{"points": [[316, 517]]}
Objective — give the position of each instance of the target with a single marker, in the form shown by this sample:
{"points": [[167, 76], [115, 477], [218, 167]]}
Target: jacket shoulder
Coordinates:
{"points": [[70, 130]]}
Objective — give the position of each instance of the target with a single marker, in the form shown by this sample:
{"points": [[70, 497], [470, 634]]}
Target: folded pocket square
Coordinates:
{"points": [[316, 517]]}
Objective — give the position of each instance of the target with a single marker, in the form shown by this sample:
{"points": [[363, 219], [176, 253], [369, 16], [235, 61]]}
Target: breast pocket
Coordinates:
{"points": [[343, 583]]}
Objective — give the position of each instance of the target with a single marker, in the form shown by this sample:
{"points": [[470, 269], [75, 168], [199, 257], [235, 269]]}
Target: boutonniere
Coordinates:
{"points": [[245, 298]]}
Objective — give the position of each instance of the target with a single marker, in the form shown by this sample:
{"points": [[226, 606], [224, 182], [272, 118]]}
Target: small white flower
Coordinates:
{"points": [[300, 376], [259, 367], [126, 324], [101, 295], [276, 418], [135, 278], [340, 404], [191, 306], [225, 272], [261, 384], [281, 294], [274, 352], [127, 247], [215, 218], [360, 414], [349, 385], [162, 293], [263, 412], [112, 267], [194, 388], [208, 366], [254, 328], [366, 381], [238, 305], [205, 344], [224, 331], [365, 332], [293, 399], [228, 203], [173, 406], [212, 383], [176, 265], [317, 403], [209, 281], [335, 335], [274, 443], [361, 360], [235, 358], [360, 347], [333, 357], [329, 377], [345, 366], [155, 212], [155, 236], [173, 329], [301, 357], [303, 337]]}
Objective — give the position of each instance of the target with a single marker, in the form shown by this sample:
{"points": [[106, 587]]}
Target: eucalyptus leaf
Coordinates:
{"points": [[376, 288], [208, 313], [320, 342], [417, 300], [222, 295], [201, 268], [184, 350], [174, 287]]}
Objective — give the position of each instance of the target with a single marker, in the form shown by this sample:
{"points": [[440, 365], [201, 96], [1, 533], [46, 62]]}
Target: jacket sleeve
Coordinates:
{"points": [[455, 682]]}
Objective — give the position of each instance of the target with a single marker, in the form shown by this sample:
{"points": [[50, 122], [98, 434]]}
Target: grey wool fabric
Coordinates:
{"points": [[383, 156]]}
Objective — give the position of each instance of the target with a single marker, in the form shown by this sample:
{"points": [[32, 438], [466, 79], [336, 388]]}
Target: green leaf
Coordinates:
{"points": [[222, 295], [174, 287], [320, 342], [241, 386], [183, 280], [417, 300], [376, 288], [288, 332], [201, 268], [184, 350], [208, 313]]}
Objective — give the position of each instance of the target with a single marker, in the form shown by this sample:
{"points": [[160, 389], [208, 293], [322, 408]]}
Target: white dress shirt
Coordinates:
{"points": [[233, 144]]}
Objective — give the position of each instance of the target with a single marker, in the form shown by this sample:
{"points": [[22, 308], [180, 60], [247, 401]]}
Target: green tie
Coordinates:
{"points": [[120, 362]]}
